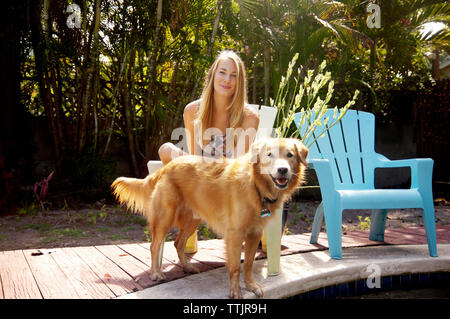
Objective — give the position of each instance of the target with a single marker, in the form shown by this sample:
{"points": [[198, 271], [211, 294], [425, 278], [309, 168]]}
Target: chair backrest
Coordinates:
{"points": [[267, 115], [348, 146]]}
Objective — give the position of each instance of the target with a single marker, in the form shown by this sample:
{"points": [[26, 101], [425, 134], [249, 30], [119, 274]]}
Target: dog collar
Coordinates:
{"points": [[270, 201], [265, 212]]}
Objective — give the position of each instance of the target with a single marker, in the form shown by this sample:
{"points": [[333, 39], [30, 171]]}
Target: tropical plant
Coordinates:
{"points": [[40, 190], [306, 97], [119, 80]]}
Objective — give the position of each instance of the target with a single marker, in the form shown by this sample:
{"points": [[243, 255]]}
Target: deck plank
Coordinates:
{"points": [[414, 235], [357, 238], [113, 276], [210, 252], [85, 281], [2, 296], [443, 234], [134, 267], [52, 281], [17, 279], [215, 246], [296, 243]]}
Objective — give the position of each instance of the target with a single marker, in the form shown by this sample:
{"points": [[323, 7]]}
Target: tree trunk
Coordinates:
{"points": [[86, 99], [16, 146], [254, 85], [40, 26], [129, 126], [113, 102], [435, 65], [266, 74], [151, 85]]}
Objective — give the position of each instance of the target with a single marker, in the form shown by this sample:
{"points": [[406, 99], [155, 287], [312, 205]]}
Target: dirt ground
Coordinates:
{"points": [[101, 224]]}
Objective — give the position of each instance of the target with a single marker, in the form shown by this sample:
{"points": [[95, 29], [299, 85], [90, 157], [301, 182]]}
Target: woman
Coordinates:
{"points": [[222, 107]]}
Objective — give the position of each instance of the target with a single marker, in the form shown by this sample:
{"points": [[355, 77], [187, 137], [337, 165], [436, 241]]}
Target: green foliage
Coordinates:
{"points": [[31, 209], [90, 172], [205, 233], [130, 86], [364, 224]]}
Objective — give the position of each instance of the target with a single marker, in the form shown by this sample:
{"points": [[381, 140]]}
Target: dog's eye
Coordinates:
{"points": [[269, 154], [289, 155]]}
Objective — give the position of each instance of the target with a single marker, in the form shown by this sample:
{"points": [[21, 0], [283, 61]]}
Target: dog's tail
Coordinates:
{"points": [[134, 192]]}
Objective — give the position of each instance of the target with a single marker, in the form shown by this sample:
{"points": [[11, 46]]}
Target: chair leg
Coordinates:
{"points": [[424, 182], [430, 227], [377, 225], [333, 220], [317, 224]]}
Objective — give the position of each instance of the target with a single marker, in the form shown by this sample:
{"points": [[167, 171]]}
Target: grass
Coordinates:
{"points": [[40, 227], [113, 223], [72, 232], [103, 229], [56, 234], [117, 237]]}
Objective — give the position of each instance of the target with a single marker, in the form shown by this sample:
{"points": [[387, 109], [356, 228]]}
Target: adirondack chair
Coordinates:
{"points": [[267, 117], [345, 160]]}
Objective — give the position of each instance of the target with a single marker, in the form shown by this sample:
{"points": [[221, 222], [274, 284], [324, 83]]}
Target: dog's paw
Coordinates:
{"points": [[255, 288], [157, 276], [191, 269], [235, 294]]}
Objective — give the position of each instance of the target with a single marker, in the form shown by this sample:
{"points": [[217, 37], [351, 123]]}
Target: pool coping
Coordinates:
{"points": [[308, 271]]}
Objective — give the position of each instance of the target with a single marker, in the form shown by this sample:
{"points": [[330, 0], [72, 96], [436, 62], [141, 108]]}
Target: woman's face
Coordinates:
{"points": [[225, 79]]}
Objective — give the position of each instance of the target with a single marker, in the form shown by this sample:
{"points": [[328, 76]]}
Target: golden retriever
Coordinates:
{"points": [[235, 197]]}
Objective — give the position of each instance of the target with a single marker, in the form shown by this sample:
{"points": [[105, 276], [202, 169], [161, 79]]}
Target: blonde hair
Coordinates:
{"points": [[236, 107]]}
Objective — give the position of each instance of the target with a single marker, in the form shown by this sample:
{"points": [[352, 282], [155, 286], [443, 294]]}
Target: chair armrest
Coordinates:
{"points": [[153, 166], [421, 169], [324, 175]]}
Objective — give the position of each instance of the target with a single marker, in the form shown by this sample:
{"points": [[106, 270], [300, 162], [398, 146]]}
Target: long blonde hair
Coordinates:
{"points": [[236, 108]]}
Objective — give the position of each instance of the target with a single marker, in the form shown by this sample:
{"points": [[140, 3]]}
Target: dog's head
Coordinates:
{"points": [[281, 160]]}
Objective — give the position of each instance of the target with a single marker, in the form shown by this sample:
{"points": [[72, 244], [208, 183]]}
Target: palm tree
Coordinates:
{"points": [[276, 30]]}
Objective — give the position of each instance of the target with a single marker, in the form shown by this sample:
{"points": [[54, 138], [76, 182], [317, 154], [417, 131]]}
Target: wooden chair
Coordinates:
{"points": [[345, 161], [267, 117]]}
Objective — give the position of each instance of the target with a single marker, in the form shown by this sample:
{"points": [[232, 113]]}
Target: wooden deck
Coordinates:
{"points": [[114, 270]]}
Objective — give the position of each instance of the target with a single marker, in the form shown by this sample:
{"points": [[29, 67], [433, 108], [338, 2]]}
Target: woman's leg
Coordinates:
{"points": [[168, 151]]}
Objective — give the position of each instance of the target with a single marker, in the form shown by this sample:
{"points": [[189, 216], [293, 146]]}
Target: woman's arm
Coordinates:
{"points": [[250, 124]]}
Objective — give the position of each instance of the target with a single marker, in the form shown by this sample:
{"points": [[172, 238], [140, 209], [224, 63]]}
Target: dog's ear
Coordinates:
{"points": [[302, 152]]}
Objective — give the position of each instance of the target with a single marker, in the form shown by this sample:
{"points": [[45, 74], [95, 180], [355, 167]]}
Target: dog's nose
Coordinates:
{"points": [[282, 170]]}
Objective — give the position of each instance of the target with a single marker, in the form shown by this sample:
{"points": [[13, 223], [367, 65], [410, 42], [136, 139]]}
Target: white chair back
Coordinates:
{"points": [[267, 115]]}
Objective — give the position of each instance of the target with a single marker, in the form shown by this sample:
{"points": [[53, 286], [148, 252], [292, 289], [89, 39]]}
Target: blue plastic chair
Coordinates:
{"points": [[345, 160]]}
